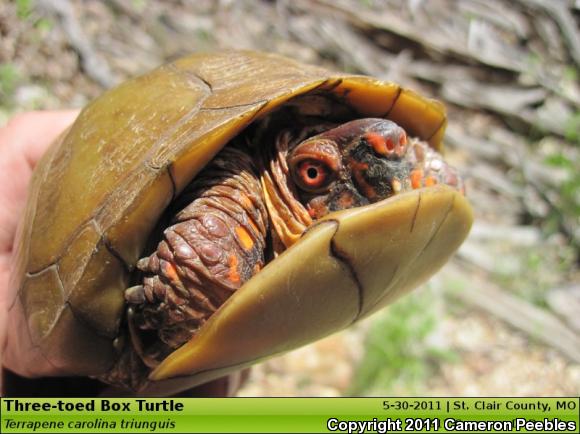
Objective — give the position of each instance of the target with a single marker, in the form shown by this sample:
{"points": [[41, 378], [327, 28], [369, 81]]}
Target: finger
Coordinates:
{"points": [[29, 134], [22, 142]]}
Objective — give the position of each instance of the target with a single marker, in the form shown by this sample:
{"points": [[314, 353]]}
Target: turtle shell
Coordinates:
{"points": [[98, 193]]}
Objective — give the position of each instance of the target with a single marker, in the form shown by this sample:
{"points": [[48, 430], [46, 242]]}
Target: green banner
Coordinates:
{"points": [[289, 415]]}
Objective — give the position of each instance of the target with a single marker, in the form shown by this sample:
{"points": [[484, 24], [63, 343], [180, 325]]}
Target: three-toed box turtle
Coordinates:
{"points": [[224, 208]]}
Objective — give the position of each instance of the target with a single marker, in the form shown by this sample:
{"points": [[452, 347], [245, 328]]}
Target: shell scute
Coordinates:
{"points": [[99, 192]]}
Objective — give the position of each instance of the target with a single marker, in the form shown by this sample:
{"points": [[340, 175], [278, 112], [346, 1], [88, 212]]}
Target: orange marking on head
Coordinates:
{"points": [[377, 142], [430, 181], [357, 165], [170, 271], [244, 237], [403, 139], [368, 189], [416, 177], [233, 274]]}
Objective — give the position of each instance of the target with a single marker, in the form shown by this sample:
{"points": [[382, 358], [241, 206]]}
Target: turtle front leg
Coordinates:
{"points": [[215, 245]]}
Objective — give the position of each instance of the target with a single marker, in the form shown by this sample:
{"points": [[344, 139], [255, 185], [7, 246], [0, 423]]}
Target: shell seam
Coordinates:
{"points": [[341, 256], [32, 275], [227, 107], [450, 207], [415, 213], [192, 74], [173, 185], [443, 122], [107, 243], [388, 112]]}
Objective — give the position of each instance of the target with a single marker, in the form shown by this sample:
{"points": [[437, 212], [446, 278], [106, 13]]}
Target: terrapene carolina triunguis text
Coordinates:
{"points": [[224, 208]]}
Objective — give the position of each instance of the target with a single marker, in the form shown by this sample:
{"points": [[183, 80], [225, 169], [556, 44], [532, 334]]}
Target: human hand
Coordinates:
{"points": [[23, 141]]}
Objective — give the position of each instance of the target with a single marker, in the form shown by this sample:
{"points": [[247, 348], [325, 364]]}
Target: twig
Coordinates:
{"points": [[92, 63], [558, 10], [434, 39], [534, 321], [566, 303]]}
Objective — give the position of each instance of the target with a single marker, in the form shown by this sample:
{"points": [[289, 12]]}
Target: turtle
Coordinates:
{"points": [[224, 208]]}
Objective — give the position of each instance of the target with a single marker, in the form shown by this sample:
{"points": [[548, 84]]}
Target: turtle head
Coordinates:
{"points": [[362, 162]]}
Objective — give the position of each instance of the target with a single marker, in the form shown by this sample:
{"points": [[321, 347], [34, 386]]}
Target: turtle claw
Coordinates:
{"points": [[143, 264], [135, 294]]}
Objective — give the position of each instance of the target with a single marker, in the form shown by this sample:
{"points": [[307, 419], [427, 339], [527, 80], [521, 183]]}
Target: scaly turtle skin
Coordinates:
{"points": [[152, 259]]}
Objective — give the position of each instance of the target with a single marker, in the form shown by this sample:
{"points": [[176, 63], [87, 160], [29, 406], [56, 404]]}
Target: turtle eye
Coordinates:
{"points": [[312, 175]]}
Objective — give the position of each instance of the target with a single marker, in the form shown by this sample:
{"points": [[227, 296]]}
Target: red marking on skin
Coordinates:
{"points": [[430, 181], [170, 271], [390, 144], [368, 189], [233, 274], [357, 165], [317, 207], [377, 142], [317, 211], [244, 237], [357, 170], [416, 177]]}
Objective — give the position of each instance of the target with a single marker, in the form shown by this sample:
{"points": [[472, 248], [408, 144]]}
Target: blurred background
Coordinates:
{"points": [[503, 317]]}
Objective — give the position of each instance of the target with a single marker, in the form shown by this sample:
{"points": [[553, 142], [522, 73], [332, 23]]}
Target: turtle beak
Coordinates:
{"points": [[348, 265]]}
